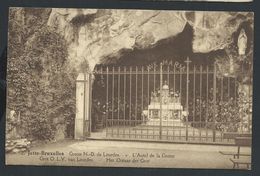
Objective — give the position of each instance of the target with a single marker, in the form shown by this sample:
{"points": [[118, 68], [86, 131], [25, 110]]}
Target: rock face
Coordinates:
{"points": [[97, 34], [17, 145]]}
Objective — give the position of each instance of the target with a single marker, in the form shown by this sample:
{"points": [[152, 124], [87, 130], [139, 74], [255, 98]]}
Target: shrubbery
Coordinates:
{"points": [[41, 85]]}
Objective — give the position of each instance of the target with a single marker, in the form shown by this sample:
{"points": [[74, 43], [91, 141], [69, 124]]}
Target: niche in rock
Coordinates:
{"points": [[123, 96]]}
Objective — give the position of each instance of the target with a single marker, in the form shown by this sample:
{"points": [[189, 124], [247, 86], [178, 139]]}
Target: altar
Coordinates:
{"points": [[170, 107]]}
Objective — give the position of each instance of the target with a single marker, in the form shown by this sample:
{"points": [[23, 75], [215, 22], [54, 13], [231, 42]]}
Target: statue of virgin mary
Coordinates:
{"points": [[242, 42]]}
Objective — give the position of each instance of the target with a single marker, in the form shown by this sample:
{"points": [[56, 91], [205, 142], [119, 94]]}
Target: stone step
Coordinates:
{"points": [[168, 123]]}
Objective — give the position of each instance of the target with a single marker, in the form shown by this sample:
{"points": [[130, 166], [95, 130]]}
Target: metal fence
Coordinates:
{"points": [[167, 101]]}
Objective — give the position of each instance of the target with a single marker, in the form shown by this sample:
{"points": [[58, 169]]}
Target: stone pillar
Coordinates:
{"points": [[82, 121]]}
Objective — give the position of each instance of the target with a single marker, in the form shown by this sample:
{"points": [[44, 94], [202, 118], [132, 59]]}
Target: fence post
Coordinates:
{"points": [[214, 102], [161, 80], [187, 96], [107, 109]]}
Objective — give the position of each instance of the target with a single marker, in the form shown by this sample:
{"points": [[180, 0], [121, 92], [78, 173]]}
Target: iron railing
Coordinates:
{"points": [[210, 103]]}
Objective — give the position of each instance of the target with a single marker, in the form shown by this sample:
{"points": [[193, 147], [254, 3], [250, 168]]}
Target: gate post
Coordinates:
{"points": [[82, 120]]}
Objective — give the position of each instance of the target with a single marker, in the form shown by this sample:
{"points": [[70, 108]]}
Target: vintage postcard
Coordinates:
{"points": [[129, 88], [205, 0]]}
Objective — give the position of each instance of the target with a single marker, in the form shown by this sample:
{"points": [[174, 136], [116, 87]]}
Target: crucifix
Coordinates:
{"points": [[188, 61]]}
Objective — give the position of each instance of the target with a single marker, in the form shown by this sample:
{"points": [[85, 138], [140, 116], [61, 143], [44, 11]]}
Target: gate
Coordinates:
{"points": [[167, 101]]}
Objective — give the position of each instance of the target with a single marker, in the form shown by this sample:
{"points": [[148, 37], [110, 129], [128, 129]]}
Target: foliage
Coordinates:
{"points": [[225, 115], [40, 82], [12, 123]]}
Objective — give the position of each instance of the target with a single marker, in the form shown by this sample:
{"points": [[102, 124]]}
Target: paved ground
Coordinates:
{"points": [[126, 154]]}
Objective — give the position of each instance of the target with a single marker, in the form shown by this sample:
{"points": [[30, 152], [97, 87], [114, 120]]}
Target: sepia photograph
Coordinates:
{"points": [[129, 88]]}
